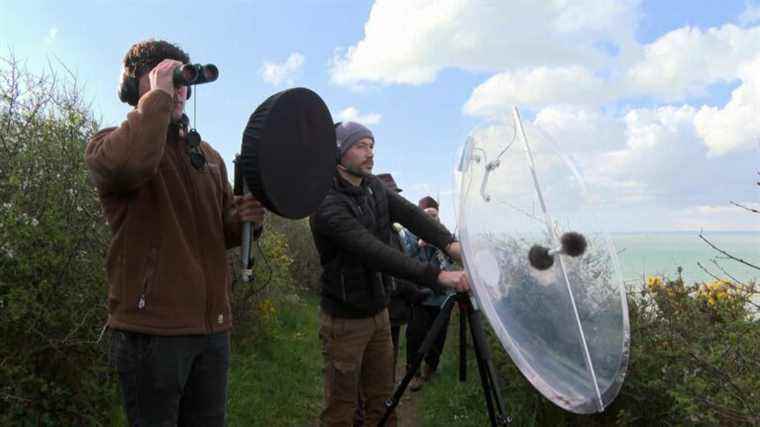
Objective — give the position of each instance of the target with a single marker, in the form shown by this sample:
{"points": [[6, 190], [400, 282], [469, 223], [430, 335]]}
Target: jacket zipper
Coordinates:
{"points": [[191, 186], [343, 286], [382, 283]]}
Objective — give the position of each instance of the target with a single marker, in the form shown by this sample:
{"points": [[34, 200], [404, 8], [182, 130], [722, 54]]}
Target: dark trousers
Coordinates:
{"points": [[174, 380], [419, 325]]}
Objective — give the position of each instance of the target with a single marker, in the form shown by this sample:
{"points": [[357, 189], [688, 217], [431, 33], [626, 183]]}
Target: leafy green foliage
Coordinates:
{"points": [[52, 241], [694, 355], [276, 380], [253, 304], [694, 361], [305, 268]]}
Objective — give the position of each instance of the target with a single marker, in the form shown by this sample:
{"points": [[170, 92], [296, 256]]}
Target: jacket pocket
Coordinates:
{"points": [[343, 286], [151, 264], [356, 286], [336, 279], [382, 285]]}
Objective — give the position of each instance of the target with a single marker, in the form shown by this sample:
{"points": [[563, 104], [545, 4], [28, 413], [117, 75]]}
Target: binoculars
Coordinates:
{"points": [[194, 74]]}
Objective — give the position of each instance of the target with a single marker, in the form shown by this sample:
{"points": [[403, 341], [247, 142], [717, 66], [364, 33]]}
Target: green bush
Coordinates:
{"points": [[695, 360], [254, 304], [305, 267], [52, 242], [695, 354]]}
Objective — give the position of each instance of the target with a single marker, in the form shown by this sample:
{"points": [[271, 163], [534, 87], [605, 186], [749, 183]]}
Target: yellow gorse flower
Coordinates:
{"points": [[717, 290], [266, 308], [654, 282], [658, 285]]}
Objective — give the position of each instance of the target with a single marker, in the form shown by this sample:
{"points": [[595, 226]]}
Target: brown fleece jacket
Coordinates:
{"points": [[170, 223]]}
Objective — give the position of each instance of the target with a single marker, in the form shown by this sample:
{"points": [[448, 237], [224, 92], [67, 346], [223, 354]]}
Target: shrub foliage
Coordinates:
{"points": [[52, 242], [695, 352]]}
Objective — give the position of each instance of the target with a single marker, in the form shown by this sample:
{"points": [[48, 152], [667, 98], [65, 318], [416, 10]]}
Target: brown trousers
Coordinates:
{"points": [[358, 357]]}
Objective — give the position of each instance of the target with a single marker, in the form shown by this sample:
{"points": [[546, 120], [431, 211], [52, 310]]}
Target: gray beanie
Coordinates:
{"points": [[348, 134]]}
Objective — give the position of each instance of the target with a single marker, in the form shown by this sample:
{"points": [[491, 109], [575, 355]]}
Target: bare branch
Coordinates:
{"points": [[734, 415], [746, 208], [739, 260], [732, 388], [699, 264], [715, 261], [6, 397]]}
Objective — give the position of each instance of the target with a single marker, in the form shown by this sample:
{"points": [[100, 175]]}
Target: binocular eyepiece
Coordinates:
{"points": [[194, 74]]}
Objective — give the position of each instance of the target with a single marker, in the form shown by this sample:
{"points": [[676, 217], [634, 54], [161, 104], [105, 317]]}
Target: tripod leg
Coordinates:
{"points": [[488, 379], [427, 343], [462, 344]]}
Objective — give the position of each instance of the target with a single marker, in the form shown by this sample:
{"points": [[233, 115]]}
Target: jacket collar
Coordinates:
{"points": [[343, 186]]}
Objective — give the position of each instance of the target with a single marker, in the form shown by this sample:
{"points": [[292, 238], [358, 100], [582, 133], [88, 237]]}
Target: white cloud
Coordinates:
{"points": [[352, 114], [660, 142], [645, 169], [285, 72], [572, 63], [685, 61], [651, 128], [751, 15], [680, 64], [735, 127], [409, 42], [664, 163], [51, 35], [536, 87], [582, 130], [717, 218], [648, 157]]}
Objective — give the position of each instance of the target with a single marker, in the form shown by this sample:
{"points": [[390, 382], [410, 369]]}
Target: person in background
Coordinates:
{"points": [[424, 314], [404, 294]]}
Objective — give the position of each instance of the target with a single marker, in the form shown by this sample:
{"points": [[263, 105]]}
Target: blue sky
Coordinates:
{"points": [[660, 91]]}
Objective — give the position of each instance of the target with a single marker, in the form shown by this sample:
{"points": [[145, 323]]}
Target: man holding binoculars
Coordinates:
{"points": [[167, 199]]}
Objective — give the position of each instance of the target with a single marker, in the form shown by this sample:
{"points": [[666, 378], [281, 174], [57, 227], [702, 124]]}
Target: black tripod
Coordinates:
{"points": [[467, 310]]}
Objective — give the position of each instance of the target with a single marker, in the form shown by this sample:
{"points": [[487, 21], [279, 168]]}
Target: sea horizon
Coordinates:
{"points": [[685, 232], [660, 253]]}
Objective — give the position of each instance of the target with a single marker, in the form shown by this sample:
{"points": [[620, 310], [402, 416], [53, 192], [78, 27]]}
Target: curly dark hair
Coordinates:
{"points": [[144, 55]]}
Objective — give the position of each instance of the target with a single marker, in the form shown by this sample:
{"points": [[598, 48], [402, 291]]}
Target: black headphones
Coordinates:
{"points": [[129, 90]]}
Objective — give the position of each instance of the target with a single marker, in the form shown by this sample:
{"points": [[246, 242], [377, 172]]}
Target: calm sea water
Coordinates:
{"points": [[645, 254]]}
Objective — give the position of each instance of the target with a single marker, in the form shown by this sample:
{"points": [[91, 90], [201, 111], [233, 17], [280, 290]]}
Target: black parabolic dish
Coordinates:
{"points": [[288, 152]]}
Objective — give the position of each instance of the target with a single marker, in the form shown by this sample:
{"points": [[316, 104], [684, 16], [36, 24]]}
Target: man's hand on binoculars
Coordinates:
{"points": [[248, 209], [161, 76]]}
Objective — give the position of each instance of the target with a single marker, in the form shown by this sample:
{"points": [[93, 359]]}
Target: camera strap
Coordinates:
{"points": [[197, 158]]}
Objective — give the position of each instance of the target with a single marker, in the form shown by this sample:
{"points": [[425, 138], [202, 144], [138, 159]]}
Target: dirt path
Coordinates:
{"points": [[409, 408]]}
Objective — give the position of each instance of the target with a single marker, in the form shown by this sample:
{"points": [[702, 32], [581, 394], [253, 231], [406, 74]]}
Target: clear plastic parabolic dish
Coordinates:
{"points": [[565, 327]]}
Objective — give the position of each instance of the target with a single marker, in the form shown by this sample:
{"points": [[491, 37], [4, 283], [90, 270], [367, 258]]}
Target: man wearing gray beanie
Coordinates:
{"points": [[352, 232], [349, 134]]}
